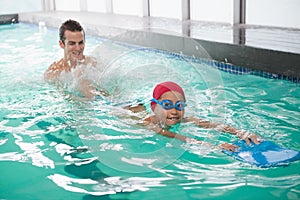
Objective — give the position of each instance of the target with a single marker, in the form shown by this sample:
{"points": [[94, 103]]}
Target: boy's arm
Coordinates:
{"points": [[242, 134], [170, 134]]}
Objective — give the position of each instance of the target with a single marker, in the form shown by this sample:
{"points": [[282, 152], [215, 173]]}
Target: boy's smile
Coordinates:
{"points": [[172, 116]]}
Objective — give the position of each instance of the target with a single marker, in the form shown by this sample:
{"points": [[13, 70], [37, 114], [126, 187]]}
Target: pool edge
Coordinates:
{"points": [[267, 60]]}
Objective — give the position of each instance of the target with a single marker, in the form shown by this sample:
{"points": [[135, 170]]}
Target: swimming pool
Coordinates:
{"points": [[54, 145]]}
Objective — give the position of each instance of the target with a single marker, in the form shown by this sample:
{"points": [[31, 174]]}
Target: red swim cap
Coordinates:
{"points": [[164, 87]]}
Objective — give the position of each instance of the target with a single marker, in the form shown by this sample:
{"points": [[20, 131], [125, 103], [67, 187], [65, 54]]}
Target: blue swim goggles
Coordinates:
{"points": [[168, 104]]}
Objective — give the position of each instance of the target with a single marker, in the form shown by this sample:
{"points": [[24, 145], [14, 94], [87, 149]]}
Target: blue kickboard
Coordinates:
{"points": [[265, 154]]}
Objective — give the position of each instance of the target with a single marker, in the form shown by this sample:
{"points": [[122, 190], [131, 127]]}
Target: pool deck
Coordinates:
{"points": [[270, 49]]}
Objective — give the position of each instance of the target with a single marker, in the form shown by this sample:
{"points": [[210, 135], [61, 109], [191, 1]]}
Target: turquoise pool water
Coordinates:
{"points": [[56, 145]]}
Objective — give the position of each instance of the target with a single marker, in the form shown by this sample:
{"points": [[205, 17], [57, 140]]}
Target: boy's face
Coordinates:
{"points": [[73, 45], [172, 116]]}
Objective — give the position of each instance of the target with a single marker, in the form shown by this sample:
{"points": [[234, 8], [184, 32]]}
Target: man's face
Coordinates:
{"points": [[73, 46]]}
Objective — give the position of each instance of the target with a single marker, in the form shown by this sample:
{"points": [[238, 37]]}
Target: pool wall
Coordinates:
{"points": [[276, 64], [262, 61]]}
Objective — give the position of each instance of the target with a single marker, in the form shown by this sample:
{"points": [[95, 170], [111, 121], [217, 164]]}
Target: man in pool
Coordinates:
{"points": [[72, 41], [168, 105]]}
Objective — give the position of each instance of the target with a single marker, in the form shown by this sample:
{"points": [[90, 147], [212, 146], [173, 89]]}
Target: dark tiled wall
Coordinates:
{"points": [[9, 19]]}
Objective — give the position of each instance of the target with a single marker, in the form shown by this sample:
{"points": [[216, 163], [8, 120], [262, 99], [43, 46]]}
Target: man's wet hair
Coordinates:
{"points": [[70, 25]]}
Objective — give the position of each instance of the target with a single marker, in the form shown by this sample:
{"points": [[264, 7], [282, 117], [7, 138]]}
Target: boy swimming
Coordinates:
{"points": [[168, 106]]}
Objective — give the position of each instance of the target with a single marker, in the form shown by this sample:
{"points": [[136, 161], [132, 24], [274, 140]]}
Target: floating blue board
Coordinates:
{"points": [[265, 154]]}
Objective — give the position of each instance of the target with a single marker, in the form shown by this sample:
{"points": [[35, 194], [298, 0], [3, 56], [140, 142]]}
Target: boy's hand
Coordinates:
{"points": [[229, 147], [249, 137], [254, 138]]}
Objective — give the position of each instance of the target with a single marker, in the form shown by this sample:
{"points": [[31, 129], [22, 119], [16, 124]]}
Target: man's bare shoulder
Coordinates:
{"points": [[57, 65], [54, 70]]}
